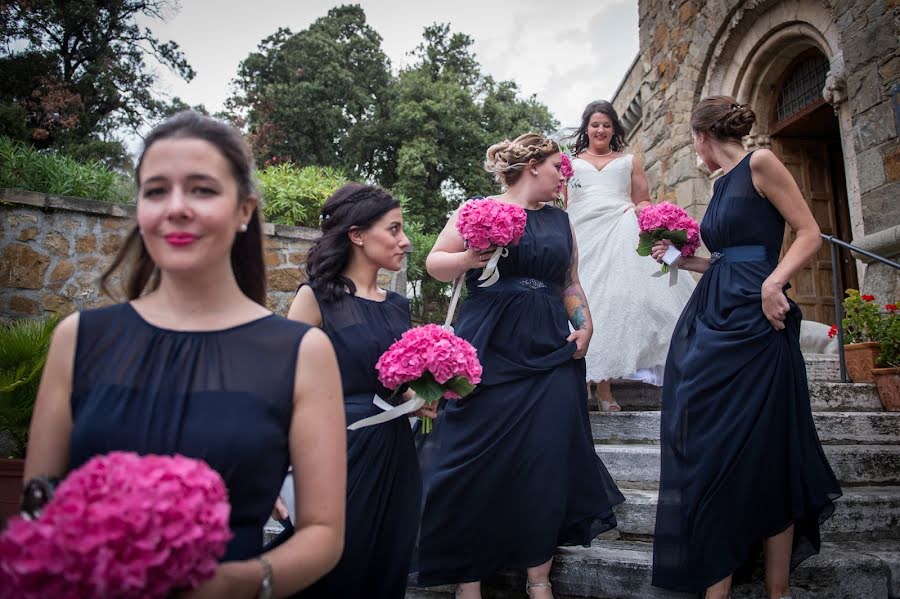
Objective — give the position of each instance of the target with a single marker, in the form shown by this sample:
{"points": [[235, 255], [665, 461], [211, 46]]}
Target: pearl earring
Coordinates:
{"points": [[243, 228]]}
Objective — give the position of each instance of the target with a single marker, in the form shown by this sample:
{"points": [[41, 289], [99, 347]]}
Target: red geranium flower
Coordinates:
{"points": [[867, 298], [832, 332], [890, 307]]}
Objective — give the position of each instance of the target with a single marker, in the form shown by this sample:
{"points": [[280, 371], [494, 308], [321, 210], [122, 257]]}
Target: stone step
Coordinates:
{"points": [[637, 466], [824, 397], [622, 570], [822, 367], [862, 513], [834, 428]]}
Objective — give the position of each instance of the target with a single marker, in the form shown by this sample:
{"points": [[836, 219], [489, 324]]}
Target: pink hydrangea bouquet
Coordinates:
{"points": [[668, 221], [123, 526], [485, 223], [434, 362], [565, 166]]}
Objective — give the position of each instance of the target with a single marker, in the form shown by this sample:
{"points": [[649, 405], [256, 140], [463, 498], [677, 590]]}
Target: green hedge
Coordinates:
{"points": [[294, 195], [23, 167]]}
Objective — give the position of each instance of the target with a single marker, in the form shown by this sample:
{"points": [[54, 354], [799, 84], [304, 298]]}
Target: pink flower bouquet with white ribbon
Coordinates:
{"points": [[435, 364], [671, 222], [123, 526], [486, 223]]}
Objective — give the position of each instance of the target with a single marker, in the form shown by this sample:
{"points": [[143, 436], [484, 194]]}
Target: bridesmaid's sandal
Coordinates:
{"points": [[537, 585], [609, 406]]}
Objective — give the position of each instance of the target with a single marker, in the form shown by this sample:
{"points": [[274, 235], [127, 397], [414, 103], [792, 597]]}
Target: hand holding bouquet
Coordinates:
{"points": [[671, 222], [434, 362], [486, 223], [123, 526]]}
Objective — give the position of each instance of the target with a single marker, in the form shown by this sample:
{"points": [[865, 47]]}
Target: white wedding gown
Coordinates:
{"points": [[634, 313]]}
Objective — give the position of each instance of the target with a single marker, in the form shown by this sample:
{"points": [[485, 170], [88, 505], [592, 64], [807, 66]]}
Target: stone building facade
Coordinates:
{"points": [[54, 249], [823, 77]]}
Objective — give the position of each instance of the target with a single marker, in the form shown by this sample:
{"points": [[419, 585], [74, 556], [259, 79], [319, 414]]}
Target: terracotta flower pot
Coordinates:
{"points": [[11, 474], [860, 358], [888, 382]]}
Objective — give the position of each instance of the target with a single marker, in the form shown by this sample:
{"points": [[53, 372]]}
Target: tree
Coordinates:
{"points": [[443, 115], [77, 71], [302, 95]]}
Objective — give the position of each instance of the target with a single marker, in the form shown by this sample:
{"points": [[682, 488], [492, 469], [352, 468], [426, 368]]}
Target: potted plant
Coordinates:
{"points": [[861, 321], [887, 373], [23, 351]]}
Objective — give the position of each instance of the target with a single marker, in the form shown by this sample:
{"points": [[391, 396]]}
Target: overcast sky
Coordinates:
{"points": [[568, 53]]}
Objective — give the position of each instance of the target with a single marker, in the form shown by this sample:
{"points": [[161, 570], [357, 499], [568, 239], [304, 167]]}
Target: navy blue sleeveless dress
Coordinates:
{"points": [[741, 459], [510, 471], [225, 397], [384, 484]]}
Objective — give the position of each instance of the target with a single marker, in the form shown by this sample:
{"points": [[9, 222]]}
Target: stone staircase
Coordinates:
{"points": [[860, 557]]}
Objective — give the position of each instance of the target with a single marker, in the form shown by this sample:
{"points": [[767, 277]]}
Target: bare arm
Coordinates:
{"points": [[774, 182], [305, 308], [577, 306], [640, 187], [51, 422], [449, 257]]}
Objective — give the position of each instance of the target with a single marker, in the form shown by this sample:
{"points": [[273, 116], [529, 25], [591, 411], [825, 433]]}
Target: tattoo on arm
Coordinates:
{"points": [[574, 301]]}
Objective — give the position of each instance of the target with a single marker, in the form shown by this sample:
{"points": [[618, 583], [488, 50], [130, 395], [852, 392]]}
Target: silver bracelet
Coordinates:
{"points": [[265, 585]]}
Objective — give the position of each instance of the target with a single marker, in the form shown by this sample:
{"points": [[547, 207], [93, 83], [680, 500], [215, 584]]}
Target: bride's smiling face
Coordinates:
{"points": [[600, 132]]}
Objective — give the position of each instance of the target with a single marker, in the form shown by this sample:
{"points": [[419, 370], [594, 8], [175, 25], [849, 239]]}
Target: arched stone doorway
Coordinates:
{"points": [[785, 59], [805, 134]]}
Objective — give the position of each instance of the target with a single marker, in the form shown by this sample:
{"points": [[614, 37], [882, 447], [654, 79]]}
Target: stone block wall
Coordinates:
{"points": [[690, 48], [54, 249]]}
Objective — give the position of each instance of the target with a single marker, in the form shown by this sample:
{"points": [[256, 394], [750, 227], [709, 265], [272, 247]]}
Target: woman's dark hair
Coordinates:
{"points": [[723, 118], [616, 144], [352, 207], [246, 252]]}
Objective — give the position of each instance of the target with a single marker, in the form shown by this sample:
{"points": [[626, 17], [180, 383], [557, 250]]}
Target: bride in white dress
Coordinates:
{"points": [[634, 313]]}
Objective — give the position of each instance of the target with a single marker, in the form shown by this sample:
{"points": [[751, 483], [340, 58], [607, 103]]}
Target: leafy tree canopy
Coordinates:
{"points": [[75, 73]]}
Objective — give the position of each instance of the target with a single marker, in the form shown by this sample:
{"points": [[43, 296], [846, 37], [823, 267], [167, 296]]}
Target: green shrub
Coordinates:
{"points": [[23, 167], [23, 351], [295, 195], [430, 297]]}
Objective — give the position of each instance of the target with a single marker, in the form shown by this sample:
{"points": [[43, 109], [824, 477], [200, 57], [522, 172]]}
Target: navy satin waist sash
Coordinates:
{"points": [[519, 284], [739, 253]]}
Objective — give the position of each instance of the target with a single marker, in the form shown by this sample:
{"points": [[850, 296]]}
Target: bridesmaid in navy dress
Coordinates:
{"points": [[195, 364], [742, 465], [515, 473], [362, 232]]}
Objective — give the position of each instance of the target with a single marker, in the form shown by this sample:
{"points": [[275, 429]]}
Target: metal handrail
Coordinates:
{"points": [[838, 296]]}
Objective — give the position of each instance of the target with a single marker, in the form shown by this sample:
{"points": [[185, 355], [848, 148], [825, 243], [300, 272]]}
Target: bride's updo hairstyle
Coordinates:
{"points": [[507, 160], [723, 118]]}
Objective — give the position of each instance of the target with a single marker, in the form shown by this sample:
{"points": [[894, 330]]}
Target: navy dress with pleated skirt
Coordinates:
{"points": [[741, 459], [510, 471], [225, 397], [384, 484]]}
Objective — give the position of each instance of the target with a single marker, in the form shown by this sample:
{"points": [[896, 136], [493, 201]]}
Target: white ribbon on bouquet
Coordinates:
{"points": [[491, 274], [672, 254], [390, 412]]}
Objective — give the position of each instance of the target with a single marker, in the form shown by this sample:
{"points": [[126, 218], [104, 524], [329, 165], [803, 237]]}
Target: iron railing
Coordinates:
{"points": [[838, 294]]}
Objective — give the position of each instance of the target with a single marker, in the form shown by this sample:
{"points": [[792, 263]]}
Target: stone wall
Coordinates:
{"points": [[690, 49], [54, 249]]}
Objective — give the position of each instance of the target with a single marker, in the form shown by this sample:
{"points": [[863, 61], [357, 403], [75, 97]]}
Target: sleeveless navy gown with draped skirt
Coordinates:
{"points": [[225, 397], [384, 484], [741, 459], [510, 471]]}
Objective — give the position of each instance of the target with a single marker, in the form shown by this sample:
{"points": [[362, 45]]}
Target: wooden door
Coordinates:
{"points": [[809, 161]]}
